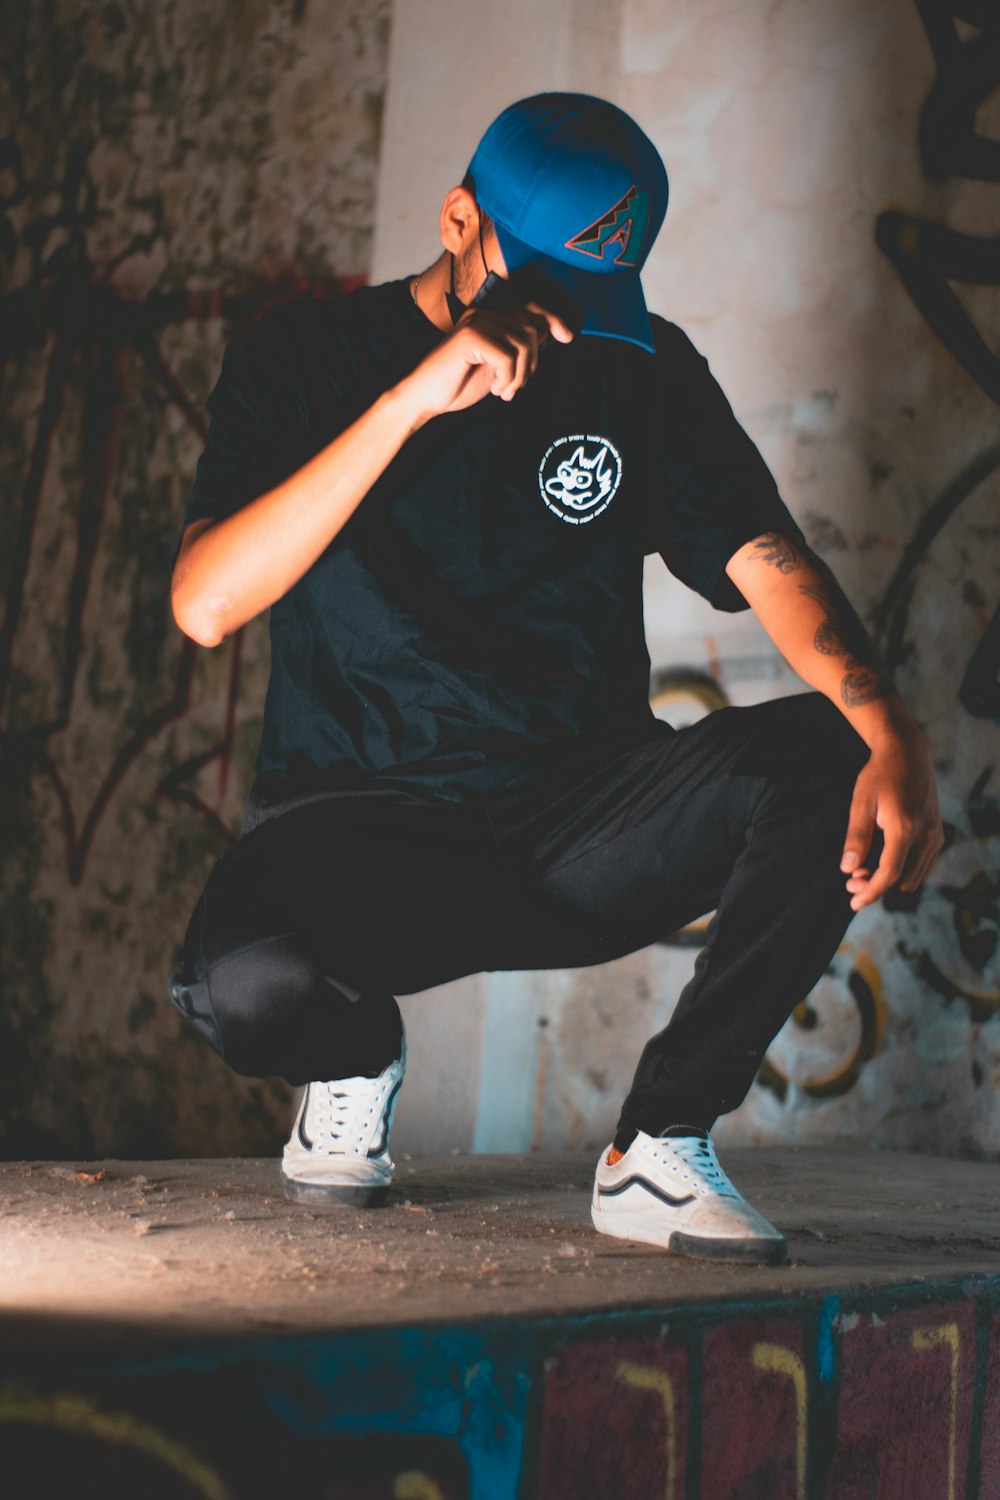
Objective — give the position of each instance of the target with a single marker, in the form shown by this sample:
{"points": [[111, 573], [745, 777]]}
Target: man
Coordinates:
{"points": [[444, 488]]}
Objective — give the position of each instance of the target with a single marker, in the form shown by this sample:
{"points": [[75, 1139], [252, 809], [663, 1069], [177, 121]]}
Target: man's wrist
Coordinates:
{"points": [[885, 722], [404, 399]]}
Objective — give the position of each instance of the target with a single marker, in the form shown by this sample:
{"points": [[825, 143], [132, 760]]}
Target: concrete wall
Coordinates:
{"points": [[808, 237], [166, 171]]}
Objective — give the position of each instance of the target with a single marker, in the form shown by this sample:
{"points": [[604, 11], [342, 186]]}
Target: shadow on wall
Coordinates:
{"points": [[126, 750]]}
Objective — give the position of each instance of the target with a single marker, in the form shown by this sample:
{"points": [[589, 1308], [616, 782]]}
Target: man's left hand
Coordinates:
{"points": [[895, 792]]}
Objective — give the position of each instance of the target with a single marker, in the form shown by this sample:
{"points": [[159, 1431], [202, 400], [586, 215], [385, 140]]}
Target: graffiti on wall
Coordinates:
{"points": [[889, 1395], [157, 194], [89, 326], [928, 256], [948, 933]]}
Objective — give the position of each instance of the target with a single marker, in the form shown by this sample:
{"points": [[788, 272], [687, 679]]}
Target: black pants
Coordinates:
{"points": [[326, 909]]}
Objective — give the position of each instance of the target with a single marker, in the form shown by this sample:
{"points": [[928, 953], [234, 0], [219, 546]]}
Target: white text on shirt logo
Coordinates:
{"points": [[578, 477]]}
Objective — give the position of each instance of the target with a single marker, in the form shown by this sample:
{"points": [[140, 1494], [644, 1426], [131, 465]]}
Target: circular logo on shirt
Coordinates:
{"points": [[578, 477]]}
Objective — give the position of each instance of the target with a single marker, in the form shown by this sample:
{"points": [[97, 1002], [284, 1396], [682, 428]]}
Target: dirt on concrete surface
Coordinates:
{"points": [[123, 1250]]}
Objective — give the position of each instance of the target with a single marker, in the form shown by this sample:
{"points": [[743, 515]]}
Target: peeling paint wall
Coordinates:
{"points": [[166, 172], [830, 245]]}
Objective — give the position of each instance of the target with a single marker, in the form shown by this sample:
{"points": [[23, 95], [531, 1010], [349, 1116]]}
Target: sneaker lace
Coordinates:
{"points": [[697, 1154], [342, 1113]]}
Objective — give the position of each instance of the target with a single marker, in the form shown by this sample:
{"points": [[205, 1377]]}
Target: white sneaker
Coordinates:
{"points": [[338, 1151], [670, 1190]]}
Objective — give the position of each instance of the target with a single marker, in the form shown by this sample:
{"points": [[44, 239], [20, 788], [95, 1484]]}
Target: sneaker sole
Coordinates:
{"points": [[697, 1246], [321, 1194]]}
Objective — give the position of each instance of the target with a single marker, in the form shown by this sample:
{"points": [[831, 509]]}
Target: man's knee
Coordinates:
{"points": [[258, 1006], [811, 740], [807, 756], [833, 730]]}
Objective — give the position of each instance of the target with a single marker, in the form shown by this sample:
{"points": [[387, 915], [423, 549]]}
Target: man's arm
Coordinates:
{"points": [[805, 612], [229, 570]]}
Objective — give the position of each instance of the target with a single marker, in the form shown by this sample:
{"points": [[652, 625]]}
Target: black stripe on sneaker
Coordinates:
{"points": [[650, 1187], [377, 1149], [307, 1143]]}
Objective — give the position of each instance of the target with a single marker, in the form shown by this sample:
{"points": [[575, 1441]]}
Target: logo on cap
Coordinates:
{"points": [[579, 476], [623, 226]]}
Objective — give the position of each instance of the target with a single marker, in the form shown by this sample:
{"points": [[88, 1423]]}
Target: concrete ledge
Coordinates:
{"points": [[179, 1322]]}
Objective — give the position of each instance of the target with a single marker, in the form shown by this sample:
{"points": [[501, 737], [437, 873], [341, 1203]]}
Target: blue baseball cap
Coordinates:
{"points": [[577, 194]]}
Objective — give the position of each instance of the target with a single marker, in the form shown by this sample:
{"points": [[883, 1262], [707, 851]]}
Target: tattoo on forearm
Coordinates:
{"points": [[777, 551], [841, 633]]}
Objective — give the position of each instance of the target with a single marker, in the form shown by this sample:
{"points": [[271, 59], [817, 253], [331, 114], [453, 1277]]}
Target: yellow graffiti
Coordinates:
{"points": [[778, 1360], [646, 1378], [679, 687], [865, 984], [73, 1414], [929, 1338], [415, 1486]]}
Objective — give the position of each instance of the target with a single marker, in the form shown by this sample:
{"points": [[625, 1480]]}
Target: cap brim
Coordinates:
{"points": [[606, 304]]}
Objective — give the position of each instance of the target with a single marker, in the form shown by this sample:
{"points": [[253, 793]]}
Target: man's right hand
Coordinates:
{"points": [[487, 353]]}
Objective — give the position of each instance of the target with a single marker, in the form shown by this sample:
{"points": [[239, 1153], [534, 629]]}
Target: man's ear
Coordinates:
{"points": [[459, 220]]}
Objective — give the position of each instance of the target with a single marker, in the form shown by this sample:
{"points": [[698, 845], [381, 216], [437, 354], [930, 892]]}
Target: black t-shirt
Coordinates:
{"points": [[479, 616]]}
